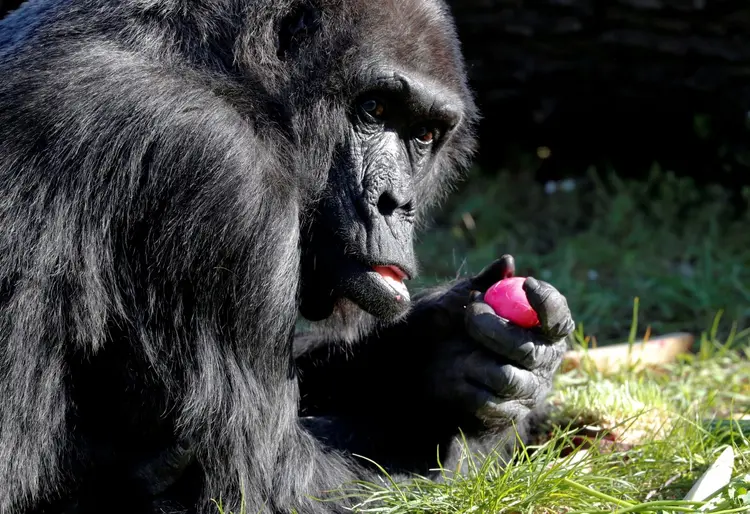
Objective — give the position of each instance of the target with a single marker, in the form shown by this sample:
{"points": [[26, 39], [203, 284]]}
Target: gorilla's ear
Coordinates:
{"points": [[300, 23]]}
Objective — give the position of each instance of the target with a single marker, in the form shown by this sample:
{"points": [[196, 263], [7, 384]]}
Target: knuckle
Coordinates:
{"points": [[498, 411], [512, 410], [512, 380], [528, 355]]}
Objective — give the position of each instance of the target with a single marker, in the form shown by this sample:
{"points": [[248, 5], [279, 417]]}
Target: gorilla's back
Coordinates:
{"points": [[23, 24]]}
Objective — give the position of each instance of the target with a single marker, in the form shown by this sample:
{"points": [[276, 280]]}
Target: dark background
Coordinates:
{"points": [[625, 82], [619, 82]]}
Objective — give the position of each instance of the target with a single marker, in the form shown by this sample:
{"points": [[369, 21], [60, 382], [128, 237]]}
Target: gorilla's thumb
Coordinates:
{"points": [[504, 267]]}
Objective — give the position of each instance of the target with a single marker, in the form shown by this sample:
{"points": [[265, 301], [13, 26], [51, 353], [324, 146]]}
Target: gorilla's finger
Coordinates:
{"points": [[504, 267], [551, 307], [501, 380], [495, 413], [507, 340]]}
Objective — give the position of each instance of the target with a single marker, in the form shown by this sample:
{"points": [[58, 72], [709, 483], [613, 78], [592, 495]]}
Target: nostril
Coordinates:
{"points": [[387, 204]]}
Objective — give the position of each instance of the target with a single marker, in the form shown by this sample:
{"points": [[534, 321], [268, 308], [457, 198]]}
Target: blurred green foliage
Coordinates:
{"points": [[681, 248]]}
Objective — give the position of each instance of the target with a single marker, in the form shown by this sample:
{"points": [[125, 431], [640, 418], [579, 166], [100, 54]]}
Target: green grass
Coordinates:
{"points": [[682, 249], [629, 441], [668, 426]]}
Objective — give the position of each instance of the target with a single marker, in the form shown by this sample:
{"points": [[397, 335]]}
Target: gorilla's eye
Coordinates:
{"points": [[424, 134], [374, 108]]}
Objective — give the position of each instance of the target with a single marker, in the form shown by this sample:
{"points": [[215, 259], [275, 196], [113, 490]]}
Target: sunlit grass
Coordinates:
{"points": [[650, 435], [629, 441]]}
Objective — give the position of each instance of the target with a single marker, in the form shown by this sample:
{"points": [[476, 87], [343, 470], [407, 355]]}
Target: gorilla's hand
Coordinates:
{"points": [[483, 365]]}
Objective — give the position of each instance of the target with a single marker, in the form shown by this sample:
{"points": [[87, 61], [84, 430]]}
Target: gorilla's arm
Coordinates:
{"points": [[452, 365], [363, 402], [171, 170]]}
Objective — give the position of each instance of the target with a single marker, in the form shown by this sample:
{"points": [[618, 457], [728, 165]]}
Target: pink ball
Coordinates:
{"points": [[508, 299]]}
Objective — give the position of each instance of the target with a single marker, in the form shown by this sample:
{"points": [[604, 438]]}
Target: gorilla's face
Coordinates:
{"points": [[362, 238], [406, 114]]}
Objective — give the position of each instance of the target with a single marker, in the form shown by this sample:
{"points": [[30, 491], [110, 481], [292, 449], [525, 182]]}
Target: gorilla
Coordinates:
{"points": [[183, 182]]}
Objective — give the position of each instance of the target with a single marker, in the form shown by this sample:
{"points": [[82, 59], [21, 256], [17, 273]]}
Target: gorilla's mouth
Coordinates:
{"points": [[394, 277], [336, 274], [377, 288]]}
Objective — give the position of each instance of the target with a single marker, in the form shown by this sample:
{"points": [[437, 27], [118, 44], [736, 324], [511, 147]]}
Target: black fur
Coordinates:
{"points": [[163, 164]]}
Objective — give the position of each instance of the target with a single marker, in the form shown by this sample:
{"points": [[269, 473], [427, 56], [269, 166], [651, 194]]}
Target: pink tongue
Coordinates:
{"points": [[388, 272]]}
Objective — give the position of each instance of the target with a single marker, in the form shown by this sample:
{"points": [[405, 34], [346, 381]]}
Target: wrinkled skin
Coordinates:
{"points": [[375, 191]]}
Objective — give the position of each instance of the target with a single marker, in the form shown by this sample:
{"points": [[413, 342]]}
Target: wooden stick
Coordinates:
{"points": [[661, 350]]}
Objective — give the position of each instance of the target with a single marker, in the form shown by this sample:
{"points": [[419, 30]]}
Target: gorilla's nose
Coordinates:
{"points": [[390, 203]]}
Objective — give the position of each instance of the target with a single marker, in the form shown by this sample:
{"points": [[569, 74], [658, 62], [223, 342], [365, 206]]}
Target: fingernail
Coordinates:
{"points": [[510, 265], [475, 296]]}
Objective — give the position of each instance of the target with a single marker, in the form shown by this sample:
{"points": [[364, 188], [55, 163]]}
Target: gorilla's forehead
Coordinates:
{"points": [[416, 34]]}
